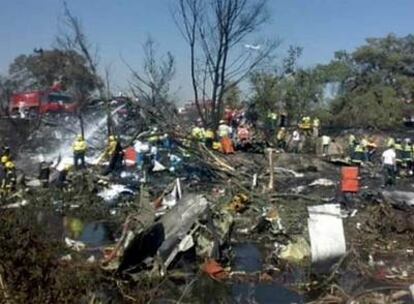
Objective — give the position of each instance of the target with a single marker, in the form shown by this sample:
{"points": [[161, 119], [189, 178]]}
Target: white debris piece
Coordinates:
{"points": [[75, 245], [284, 170], [400, 196], [326, 232], [158, 167], [91, 259], [67, 258], [16, 205], [113, 192], [322, 182]]}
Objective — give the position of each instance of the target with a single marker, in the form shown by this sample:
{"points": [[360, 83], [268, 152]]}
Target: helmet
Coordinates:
{"points": [[4, 159], [222, 121], [407, 140], [9, 165], [398, 140], [111, 138], [283, 128], [79, 137]]}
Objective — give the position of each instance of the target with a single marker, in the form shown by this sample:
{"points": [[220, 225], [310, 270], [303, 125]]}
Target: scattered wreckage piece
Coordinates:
{"points": [[190, 223], [326, 233], [404, 197]]}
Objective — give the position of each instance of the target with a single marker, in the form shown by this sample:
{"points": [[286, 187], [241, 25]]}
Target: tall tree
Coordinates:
{"points": [[376, 82], [152, 85], [218, 33], [74, 39]]}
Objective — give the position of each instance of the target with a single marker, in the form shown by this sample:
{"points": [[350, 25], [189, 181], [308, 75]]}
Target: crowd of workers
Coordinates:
{"points": [[236, 131]]}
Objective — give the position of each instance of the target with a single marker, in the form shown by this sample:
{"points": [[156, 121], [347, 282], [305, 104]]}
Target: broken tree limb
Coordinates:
{"points": [[219, 161], [297, 196], [271, 170]]}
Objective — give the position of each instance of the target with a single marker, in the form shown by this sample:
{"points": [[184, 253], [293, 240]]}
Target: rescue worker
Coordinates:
{"points": [[371, 149], [364, 144], [111, 146], [306, 125], [2, 181], [243, 133], [407, 155], [223, 130], [153, 139], [389, 163], [243, 137], [326, 141], [117, 156], [352, 141], [79, 148], [296, 139], [224, 133], [271, 122], [10, 181], [5, 155], [62, 180], [398, 148], [44, 173], [281, 138], [358, 154], [315, 126], [198, 132], [209, 138]]}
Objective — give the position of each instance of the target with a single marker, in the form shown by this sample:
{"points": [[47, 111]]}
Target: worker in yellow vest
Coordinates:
{"points": [[79, 148]]}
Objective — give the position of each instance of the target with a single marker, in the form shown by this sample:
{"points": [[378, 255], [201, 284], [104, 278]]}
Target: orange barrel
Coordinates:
{"points": [[130, 156], [350, 179]]}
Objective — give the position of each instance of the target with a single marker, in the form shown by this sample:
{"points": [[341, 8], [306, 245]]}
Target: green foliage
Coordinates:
{"points": [[232, 96], [379, 107], [375, 80], [30, 266]]}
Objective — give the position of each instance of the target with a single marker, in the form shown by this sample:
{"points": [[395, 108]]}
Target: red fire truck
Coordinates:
{"points": [[34, 103]]}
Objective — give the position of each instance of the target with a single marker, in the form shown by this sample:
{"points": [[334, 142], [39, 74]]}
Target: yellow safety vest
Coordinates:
{"points": [[209, 134], [111, 147], [79, 146]]}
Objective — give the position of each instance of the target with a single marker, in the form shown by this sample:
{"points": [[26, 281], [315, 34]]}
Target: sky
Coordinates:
{"points": [[119, 28]]}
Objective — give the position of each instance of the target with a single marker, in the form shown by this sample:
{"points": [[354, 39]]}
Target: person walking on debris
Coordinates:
{"points": [[326, 141], [271, 122], [281, 138], [351, 142], [398, 154], [62, 180], [3, 191], [198, 132], [407, 155], [224, 133], [209, 138], [10, 181], [243, 136], [296, 139], [316, 126], [358, 154], [44, 173], [389, 163], [116, 155], [371, 149], [79, 151]]}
